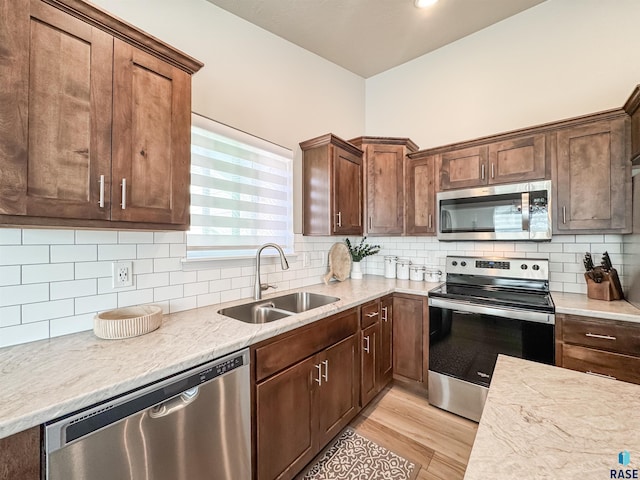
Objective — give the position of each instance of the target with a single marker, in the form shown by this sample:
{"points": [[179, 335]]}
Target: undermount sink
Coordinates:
{"points": [[268, 310]]}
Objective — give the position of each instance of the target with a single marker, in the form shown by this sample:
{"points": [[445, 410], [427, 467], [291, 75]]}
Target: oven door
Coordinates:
{"points": [[465, 340]]}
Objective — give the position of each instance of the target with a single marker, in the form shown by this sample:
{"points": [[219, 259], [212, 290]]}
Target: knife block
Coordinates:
{"points": [[607, 290]]}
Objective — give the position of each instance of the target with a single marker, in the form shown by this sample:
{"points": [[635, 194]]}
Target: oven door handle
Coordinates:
{"points": [[468, 307]]}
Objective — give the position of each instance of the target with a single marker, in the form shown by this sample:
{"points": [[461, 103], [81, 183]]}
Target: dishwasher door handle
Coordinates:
{"points": [[174, 404]]}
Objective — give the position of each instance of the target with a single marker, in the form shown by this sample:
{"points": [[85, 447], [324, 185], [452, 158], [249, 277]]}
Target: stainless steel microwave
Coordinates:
{"points": [[519, 211]]}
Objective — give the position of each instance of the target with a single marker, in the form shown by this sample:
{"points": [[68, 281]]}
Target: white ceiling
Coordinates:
{"points": [[370, 36]]}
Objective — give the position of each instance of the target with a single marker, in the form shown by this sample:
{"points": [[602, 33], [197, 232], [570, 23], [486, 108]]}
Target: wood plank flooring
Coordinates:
{"points": [[401, 419]]}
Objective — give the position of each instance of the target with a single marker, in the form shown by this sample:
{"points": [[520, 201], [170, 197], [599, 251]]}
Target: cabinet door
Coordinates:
{"points": [[384, 189], [464, 168], [20, 455], [517, 160], [151, 131], [347, 193], [336, 402], [55, 105], [593, 175], [421, 196], [601, 363], [368, 364], [284, 424], [408, 341], [385, 356]]}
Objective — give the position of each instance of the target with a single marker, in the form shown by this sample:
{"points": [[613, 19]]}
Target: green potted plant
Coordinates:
{"points": [[358, 252]]}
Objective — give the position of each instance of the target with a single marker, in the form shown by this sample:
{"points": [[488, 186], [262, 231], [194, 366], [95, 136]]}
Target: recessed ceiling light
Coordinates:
{"points": [[424, 3]]}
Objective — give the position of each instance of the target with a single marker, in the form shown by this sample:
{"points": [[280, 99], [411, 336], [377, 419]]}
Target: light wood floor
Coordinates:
{"points": [[401, 419]]}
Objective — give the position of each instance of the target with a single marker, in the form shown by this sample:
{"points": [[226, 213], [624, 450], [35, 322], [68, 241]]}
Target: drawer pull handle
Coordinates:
{"points": [[366, 348], [319, 379], [123, 204], [339, 215], [589, 372], [326, 371], [603, 337], [101, 183], [372, 314], [482, 171], [385, 314]]}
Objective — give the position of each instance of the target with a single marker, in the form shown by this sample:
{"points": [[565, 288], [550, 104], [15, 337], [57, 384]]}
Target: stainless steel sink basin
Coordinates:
{"points": [[263, 311]]}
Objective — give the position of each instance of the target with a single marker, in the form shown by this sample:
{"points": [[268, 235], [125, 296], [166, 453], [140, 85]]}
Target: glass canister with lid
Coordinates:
{"points": [[390, 266], [416, 273], [402, 269], [432, 274]]}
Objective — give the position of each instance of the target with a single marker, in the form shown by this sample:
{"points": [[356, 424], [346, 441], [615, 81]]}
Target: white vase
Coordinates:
{"points": [[356, 271]]}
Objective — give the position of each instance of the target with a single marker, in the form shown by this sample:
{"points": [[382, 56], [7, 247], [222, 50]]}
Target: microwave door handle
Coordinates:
{"points": [[525, 211]]}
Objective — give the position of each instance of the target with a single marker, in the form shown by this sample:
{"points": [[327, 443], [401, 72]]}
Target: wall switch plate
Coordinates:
{"points": [[122, 274], [306, 261]]}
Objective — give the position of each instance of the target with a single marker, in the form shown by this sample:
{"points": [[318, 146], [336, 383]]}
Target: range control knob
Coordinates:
{"points": [[536, 267], [464, 264], [454, 263], [524, 266]]}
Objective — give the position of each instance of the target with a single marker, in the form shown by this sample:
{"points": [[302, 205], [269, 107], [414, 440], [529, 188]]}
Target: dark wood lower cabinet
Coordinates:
{"points": [[20, 455], [385, 356], [411, 337], [369, 354]]}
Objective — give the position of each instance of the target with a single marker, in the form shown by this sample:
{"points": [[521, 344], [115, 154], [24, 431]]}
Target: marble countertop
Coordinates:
{"points": [[43, 380], [545, 422]]}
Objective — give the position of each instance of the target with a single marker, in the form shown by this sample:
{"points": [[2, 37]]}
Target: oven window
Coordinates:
{"points": [[494, 213], [466, 345]]}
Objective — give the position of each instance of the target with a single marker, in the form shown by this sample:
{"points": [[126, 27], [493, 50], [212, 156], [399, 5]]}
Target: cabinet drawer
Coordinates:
{"points": [[604, 335], [597, 362], [292, 347], [369, 313]]}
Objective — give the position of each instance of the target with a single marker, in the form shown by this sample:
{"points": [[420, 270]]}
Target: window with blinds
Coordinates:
{"points": [[241, 192]]}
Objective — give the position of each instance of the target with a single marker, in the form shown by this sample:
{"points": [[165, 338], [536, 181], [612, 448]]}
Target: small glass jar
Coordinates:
{"points": [[432, 274], [402, 269], [416, 273], [390, 266]]}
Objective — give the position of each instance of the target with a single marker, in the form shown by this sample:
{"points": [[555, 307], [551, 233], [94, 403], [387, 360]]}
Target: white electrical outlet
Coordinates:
{"points": [[122, 274], [306, 261]]}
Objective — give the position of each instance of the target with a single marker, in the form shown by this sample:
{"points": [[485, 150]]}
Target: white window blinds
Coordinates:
{"points": [[241, 192]]}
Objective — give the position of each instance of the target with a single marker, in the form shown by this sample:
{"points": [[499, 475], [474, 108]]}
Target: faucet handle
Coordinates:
{"points": [[266, 286]]}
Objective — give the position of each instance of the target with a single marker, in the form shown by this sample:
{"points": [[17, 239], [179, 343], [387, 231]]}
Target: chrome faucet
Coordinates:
{"points": [[260, 287]]}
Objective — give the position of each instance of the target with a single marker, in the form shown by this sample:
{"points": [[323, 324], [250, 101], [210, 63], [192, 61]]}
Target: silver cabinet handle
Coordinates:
{"points": [[319, 379], [589, 372], [372, 314], [603, 337], [326, 370], [370, 223], [124, 193], [493, 171], [366, 339], [430, 221], [101, 183], [339, 214], [385, 313], [564, 214], [482, 171]]}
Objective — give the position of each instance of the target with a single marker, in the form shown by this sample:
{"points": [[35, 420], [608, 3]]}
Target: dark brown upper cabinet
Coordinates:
{"points": [[88, 101], [420, 190], [332, 187], [632, 107]]}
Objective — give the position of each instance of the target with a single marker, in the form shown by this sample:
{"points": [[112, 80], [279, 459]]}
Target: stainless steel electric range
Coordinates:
{"points": [[487, 307]]}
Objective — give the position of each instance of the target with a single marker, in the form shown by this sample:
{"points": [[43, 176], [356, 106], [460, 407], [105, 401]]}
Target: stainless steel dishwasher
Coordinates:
{"points": [[194, 425]]}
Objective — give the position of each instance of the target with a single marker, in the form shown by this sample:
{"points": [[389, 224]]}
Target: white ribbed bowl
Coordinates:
{"points": [[127, 322]]}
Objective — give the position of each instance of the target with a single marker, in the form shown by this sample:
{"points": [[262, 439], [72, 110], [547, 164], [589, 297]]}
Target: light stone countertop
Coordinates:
{"points": [[43, 380], [545, 422]]}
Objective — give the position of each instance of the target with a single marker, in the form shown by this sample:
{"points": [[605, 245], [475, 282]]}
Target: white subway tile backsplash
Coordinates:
{"points": [[167, 293], [96, 303], [75, 288], [169, 237], [48, 237], [74, 253], [178, 250], [200, 288], [10, 236], [241, 282], [49, 272], [35, 312], [576, 247], [230, 295], [167, 264], [208, 299], [116, 252], [23, 255], [9, 316], [93, 270], [153, 251], [563, 277], [96, 236], [207, 275], [181, 304], [220, 285], [19, 294], [73, 324], [29, 332], [10, 275], [142, 266], [182, 277], [135, 237], [135, 297], [575, 288], [236, 272], [152, 280], [105, 285]]}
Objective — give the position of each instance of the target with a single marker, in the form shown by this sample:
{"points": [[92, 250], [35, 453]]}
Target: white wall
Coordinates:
{"points": [[557, 60]]}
